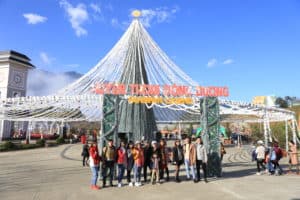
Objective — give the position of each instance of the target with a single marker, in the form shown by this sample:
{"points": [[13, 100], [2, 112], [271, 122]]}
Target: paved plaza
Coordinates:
{"points": [[57, 173]]}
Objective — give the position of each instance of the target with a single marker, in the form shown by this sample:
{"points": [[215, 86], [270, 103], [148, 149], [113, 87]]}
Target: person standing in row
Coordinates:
{"points": [[164, 160], [278, 151], [130, 162], [260, 156], [94, 165], [85, 153], [138, 156], [121, 161], [201, 159], [148, 155], [155, 168], [189, 158], [109, 154], [178, 158], [293, 154]]}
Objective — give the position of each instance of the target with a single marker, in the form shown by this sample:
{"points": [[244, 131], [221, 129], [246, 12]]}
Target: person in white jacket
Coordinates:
{"points": [[201, 159], [260, 156]]}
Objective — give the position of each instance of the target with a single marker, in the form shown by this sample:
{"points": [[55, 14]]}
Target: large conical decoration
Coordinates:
{"points": [[136, 119]]}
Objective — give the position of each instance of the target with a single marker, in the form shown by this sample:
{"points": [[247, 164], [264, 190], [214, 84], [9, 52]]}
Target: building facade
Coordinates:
{"points": [[14, 68]]}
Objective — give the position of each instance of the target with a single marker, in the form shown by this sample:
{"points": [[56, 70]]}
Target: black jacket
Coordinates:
{"points": [[175, 154], [85, 150], [148, 155]]}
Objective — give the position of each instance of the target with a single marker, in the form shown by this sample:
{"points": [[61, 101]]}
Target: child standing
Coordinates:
{"points": [[155, 168]]}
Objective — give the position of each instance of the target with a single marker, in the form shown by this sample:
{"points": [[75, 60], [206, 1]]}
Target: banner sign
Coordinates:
{"points": [[157, 90]]}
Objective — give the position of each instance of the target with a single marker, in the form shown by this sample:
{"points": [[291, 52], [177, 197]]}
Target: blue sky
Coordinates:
{"points": [[251, 46]]}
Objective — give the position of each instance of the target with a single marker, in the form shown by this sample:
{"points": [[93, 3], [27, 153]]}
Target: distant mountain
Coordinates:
{"points": [[42, 83]]}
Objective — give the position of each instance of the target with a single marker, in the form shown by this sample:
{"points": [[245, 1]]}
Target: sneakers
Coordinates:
{"points": [[258, 173], [130, 184], [119, 185], [137, 184], [95, 187]]}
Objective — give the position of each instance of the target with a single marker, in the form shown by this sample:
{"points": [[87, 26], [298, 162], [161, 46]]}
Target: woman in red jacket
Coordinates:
{"points": [[94, 165], [121, 161]]}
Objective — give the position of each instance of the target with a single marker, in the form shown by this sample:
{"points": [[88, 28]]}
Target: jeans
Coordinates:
{"points": [[187, 169], [121, 170], [95, 171], [270, 167], [276, 165], [137, 173]]}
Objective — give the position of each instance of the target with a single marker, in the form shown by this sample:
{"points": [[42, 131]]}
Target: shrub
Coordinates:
{"points": [[8, 145], [60, 140], [28, 146], [41, 142]]}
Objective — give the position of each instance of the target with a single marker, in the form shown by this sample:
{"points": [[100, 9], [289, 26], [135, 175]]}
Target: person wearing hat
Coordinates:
{"points": [[260, 156], [138, 157]]}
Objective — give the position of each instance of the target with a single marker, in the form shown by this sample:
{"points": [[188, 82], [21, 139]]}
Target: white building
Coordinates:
{"points": [[14, 68]]}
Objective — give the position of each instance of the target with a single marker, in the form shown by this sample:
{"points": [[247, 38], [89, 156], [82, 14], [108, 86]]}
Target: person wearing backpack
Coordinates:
{"points": [[109, 155], [278, 152]]}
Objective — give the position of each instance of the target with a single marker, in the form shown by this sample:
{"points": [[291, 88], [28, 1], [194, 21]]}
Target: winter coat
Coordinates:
{"points": [[293, 155], [122, 156], [201, 153], [138, 157], [164, 155], [148, 154], [130, 161], [85, 150], [94, 157], [176, 150], [192, 153], [260, 152]]}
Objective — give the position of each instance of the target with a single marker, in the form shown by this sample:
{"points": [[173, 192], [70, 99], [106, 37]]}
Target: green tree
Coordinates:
{"points": [[282, 103]]}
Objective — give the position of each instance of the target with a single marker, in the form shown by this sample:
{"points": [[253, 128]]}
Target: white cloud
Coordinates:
{"points": [[212, 62], [77, 16], [115, 22], [45, 58], [42, 83], [72, 65], [228, 61], [95, 7], [157, 15], [34, 18]]}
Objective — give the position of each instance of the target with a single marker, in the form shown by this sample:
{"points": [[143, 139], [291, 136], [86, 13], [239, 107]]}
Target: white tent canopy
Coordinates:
{"points": [[77, 102]]}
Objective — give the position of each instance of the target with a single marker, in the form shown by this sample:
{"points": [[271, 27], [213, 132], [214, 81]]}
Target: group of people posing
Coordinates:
{"points": [[267, 158], [133, 158]]}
